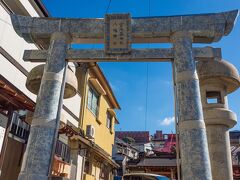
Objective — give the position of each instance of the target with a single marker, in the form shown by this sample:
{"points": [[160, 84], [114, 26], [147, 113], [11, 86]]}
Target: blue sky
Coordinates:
{"points": [[128, 80]]}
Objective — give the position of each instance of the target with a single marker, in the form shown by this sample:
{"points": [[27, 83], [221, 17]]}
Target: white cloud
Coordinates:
{"points": [[167, 121]]}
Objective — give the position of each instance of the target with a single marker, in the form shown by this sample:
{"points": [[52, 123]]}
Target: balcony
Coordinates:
{"points": [[62, 151], [19, 130], [61, 164]]}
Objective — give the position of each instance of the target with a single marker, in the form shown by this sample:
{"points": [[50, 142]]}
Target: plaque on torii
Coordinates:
{"points": [[117, 34]]}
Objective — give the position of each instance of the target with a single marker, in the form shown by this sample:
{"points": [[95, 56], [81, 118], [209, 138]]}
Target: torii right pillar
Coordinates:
{"points": [[217, 79], [195, 163]]}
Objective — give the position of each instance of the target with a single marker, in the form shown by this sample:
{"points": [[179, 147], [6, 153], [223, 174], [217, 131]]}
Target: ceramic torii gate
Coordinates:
{"points": [[55, 34]]}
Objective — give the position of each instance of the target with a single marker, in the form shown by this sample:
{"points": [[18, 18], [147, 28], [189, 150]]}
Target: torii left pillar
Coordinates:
{"points": [[37, 159]]}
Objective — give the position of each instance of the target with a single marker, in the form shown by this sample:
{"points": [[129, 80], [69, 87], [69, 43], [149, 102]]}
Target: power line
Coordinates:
{"points": [[109, 4], [146, 100], [149, 7], [146, 97]]}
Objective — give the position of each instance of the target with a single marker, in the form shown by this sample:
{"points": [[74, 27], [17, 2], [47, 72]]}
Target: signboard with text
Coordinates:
{"points": [[117, 34]]}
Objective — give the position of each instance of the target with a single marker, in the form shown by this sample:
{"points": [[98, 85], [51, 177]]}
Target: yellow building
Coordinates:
{"points": [[97, 120]]}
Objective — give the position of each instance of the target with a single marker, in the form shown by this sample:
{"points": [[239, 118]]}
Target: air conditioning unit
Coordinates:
{"points": [[90, 131]]}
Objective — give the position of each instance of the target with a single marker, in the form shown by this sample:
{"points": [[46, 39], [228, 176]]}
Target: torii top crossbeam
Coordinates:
{"points": [[205, 28]]}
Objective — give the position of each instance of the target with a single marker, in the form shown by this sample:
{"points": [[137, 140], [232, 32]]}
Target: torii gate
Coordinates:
{"points": [[55, 34]]}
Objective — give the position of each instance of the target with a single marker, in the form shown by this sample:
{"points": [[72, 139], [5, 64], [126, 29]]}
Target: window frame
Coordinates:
{"points": [[109, 120], [94, 93]]}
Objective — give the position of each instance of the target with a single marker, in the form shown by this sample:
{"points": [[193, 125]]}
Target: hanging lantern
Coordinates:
{"points": [[35, 76]]}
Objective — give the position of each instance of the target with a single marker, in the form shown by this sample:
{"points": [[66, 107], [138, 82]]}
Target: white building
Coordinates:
{"points": [[16, 100]]}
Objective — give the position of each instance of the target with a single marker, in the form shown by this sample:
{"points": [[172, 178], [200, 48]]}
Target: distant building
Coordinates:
{"points": [[234, 138], [122, 153], [235, 151], [163, 143], [157, 153], [162, 165], [142, 139]]}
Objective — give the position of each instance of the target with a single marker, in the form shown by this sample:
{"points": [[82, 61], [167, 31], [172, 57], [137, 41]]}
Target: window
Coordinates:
{"points": [[93, 101], [165, 136], [213, 97], [109, 121], [87, 167]]}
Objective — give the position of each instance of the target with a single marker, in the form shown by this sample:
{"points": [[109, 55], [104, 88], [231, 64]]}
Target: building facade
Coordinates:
{"points": [[141, 139], [157, 154], [97, 120], [235, 152], [122, 153]]}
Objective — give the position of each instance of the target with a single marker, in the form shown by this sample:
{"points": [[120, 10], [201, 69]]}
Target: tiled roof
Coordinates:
{"points": [[234, 134], [235, 152], [138, 136], [151, 162]]}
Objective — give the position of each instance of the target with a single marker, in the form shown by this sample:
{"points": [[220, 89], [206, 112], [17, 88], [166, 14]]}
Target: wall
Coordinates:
{"points": [[3, 124], [12, 159], [103, 136]]}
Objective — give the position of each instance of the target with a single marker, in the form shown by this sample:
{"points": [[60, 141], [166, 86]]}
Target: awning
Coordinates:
{"points": [[67, 129], [12, 97], [157, 162], [97, 149]]}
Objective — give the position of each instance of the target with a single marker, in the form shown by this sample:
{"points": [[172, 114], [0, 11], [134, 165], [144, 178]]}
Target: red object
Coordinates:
{"points": [[169, 143]]}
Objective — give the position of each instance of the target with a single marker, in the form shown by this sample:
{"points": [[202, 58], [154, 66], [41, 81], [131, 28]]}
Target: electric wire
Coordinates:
{"points": [[146, 98], [108, 7], [147, 74]]}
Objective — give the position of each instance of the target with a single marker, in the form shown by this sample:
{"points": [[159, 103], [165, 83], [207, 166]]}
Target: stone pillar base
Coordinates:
{"points": [[27, 176]]}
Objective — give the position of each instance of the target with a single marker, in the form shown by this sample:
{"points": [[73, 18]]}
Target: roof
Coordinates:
{"points": [[96, 148], [151, 162], [234, 134], [138, 136], [167, 147], [235, 152], [144, 174], [42, 7], [11, 96], [122, 143], [119, 141]]}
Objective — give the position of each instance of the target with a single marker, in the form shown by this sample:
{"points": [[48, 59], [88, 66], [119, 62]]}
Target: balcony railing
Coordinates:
{"points": [[63, 151], [19, 128]]}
